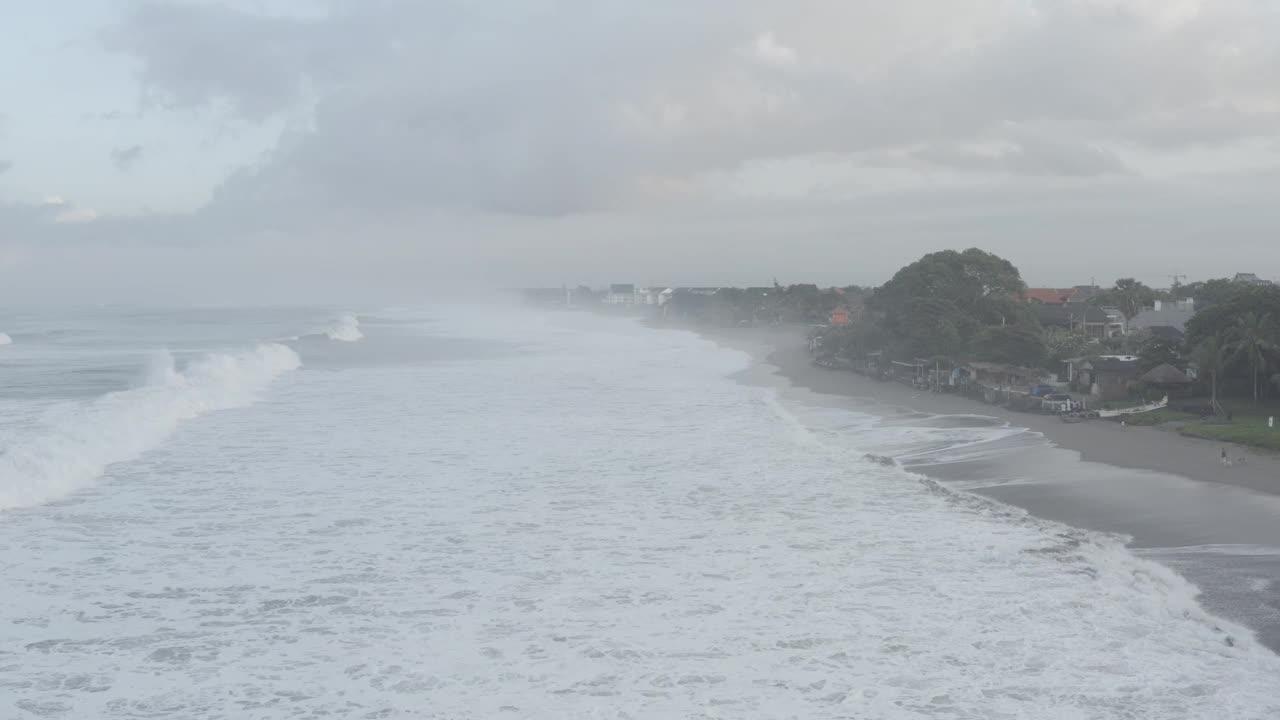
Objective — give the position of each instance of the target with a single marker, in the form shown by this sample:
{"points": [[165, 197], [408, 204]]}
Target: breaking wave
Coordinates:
{"points": [[76, 442], [346, 328], [5, 339]]}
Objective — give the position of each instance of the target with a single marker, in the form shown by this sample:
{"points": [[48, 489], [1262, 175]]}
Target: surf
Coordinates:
{"points": [[75, 443]]}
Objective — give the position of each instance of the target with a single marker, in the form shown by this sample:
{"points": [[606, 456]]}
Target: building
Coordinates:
{"points": [[621, 294], [1109, 377], [1049, 296], [1088, 320], [1171, 315], [1250, 279], [840, 316]]}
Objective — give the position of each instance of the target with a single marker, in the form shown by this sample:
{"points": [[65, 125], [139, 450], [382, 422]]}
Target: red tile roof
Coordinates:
{"points": [[1049, 296]]}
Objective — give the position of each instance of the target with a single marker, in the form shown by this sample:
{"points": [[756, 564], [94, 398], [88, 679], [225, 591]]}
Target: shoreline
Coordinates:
{"points": [[1170, 495], [1144, 448]]}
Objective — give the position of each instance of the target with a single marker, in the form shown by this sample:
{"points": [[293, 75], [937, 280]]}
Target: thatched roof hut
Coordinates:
{"points": [[1166, 374]]}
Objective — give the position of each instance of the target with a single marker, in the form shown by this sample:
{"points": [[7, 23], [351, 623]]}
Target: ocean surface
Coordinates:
{"points": [[451, 512]]}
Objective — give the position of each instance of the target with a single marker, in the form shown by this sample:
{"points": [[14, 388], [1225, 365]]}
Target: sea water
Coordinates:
{"points": [[484, 512]]}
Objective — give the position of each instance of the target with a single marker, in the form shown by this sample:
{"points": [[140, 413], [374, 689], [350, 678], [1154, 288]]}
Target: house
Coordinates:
{"points": [[1168, 377], [1250, 279], [1165, 315], [1167, 333], [1088, 320], [653, 296], [840, 316], [1049, 296], [1109, 377], [621, 294], [1000, 376]]}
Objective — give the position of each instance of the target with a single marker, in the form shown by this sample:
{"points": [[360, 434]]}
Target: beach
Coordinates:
{"points": [[1170, 495]]}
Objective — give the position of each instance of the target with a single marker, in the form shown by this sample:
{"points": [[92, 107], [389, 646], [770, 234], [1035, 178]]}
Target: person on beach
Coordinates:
{"points": [[1225, 461]]}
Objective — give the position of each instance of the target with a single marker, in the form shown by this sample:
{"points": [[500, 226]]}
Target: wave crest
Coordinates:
{"points": [[5, 339], [77, 442], [346, 328]]}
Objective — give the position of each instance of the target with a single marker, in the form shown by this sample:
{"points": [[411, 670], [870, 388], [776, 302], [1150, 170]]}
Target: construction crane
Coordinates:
{"points": [[1176, 278]]}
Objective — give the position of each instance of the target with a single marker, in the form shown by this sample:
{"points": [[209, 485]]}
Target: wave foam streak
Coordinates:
{"points": [[76, 442]]}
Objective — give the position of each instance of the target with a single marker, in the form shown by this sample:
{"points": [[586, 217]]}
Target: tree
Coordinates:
{"points": [[1129, 295], [975, 282], [1254, 337], [1211, 356], [1061, 344], [936, 305], [1011, 345], [1156, 351], [1207, 293]]}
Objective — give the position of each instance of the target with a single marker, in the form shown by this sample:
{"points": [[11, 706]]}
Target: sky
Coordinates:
{"points": [[324, 150]]}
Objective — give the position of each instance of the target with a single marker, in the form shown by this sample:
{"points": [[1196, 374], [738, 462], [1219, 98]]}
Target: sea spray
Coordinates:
{"points": [[5, 339], [76, 442], [345, 328]]}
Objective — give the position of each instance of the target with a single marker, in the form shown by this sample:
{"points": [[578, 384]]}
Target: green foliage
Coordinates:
{"points": [[1129, 295], [1156, 351], [1208, 293], [1061, 344], [937, 305], [1254, 433], [1011, 344], [1222, 313], [1254, 338]]}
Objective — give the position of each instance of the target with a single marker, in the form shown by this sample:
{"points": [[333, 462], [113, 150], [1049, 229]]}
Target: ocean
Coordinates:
{"points": [[486, 512]]}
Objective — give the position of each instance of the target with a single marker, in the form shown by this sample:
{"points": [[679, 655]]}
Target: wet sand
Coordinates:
{"points": [[1219, 526]]}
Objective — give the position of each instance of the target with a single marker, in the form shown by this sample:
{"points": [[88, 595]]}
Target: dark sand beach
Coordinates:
{"points": [[1217, 525]]}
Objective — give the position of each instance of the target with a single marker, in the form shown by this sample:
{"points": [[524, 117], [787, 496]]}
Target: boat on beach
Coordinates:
{"points": [[1162, 402]]}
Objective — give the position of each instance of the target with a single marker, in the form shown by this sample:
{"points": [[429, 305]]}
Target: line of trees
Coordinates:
{"points": [[957, 306], [1236, 339]]}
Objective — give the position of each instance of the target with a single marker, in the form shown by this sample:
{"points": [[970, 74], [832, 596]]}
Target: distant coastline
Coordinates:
{"points": [[1139, 448]]}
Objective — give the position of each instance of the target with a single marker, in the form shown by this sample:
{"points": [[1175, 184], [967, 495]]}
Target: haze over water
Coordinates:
{"points": [[481, 512]]}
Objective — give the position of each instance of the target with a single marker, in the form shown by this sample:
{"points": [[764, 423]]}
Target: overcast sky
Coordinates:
{"points": [[242, 150]]}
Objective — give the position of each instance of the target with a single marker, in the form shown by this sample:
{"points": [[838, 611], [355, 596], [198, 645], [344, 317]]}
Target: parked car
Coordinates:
{"points": [[1042, 390]]}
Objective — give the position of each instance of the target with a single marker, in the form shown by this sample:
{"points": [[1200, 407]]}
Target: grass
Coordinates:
{"points": [[1253, 432], [1247, 426]]}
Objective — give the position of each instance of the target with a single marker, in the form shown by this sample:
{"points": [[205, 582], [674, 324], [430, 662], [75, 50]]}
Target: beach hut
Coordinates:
{"points": [[1167, 377]]}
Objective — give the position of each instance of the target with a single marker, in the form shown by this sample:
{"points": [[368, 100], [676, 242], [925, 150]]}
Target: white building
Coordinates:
{"points": [[621, 294]]}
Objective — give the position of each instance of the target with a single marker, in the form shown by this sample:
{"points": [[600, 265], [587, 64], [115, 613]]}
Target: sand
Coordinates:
{"points": [[1170, 495]]}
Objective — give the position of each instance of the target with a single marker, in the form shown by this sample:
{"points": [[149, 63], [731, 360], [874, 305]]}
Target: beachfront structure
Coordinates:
{"points": [[1108, 377], [1000, 376], [621, 294], [1167, 377]]}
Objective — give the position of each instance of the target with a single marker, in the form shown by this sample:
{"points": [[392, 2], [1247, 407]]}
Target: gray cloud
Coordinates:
{"points": [[579, 106], [126, 157], [556, 138]]}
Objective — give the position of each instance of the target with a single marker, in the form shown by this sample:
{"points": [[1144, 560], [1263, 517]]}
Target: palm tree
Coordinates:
{"points": [[1254, 338], [1211, 355]]}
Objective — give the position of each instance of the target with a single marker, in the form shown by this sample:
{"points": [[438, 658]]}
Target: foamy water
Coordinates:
{"points": [[345, 328], [596, 521]]}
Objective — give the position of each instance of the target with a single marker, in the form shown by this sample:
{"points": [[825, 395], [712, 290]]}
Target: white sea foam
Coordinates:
{"points": [[601, 524], [345, 327], [76, 442], [5, 339]]}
